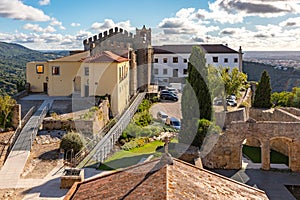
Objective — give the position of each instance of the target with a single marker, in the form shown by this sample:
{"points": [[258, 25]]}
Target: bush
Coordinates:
{"points": [[143, 118], [71, 141], [137, 142], [144, 106]]}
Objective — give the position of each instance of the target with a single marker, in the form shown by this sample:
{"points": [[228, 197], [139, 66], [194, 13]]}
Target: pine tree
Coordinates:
{"points": [[196, 99], [262, 98]]}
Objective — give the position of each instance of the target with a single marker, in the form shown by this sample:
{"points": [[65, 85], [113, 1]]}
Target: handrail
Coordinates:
{"points": [[109, 138]]}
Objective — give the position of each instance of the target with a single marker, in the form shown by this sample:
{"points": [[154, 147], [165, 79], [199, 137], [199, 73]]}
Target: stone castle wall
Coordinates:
{"points": [[282, 136], [272, 115]]}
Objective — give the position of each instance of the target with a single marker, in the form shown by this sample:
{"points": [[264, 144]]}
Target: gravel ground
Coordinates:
{"points": [[171, 108]]}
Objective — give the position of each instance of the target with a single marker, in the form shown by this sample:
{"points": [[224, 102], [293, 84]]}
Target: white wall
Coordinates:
{"points": [[181, 65]]}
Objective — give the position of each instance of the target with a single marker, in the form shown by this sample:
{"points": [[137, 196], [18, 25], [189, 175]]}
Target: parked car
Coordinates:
{"points": [[173, 122], [169, 96], [174, 90], [161, 116], [231, 102], [167, 92]]}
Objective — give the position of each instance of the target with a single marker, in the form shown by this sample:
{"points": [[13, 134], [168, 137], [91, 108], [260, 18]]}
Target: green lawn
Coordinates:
{"points": [[254, 154], [122, 159]]}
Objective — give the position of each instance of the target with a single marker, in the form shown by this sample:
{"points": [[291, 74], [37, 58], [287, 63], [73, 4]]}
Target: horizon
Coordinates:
{"points": [[255, 25]]}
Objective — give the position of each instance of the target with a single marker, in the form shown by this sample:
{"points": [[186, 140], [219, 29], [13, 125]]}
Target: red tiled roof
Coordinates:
{"points": [[177, 181], [106, 56], [208, 48]]}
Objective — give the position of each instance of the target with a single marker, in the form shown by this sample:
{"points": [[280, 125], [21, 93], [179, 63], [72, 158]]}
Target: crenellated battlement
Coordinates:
{"points": [[116, 36], [119, 37]]}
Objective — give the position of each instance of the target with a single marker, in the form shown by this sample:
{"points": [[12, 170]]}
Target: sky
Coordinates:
{"points": [[256, 25]]}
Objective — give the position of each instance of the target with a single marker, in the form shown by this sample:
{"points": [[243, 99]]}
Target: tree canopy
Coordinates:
{"points": [[262, 97]]}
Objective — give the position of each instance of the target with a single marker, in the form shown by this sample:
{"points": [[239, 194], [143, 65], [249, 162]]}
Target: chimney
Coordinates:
{"points": [[240, 59]]}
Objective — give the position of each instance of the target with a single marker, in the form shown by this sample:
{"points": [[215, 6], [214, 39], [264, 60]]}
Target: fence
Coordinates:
{"points": [[99, 148]]}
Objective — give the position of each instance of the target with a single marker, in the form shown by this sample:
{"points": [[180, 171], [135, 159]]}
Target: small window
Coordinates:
{"points": [[235, 60], [165, 60], [185, 71], [175, 59], [155, 60], [86, 71], [165, 71], [184, 60], [39, 69], [155, 71], [225, 60], [215, 59], [55, 70]]}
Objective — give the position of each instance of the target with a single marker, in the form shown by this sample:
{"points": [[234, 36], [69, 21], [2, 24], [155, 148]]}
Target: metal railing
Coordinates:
{"points": [[99, 148]]}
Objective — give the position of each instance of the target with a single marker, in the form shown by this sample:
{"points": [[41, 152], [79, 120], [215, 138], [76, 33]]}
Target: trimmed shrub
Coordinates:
{"points": [[137, 142], [70, 141]]}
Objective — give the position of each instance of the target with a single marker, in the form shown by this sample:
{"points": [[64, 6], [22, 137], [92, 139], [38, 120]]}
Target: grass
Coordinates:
{"points": [[254, 154], [122, 159]]}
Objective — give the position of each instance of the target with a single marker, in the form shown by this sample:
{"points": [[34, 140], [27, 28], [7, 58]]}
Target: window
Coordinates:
{"points": [[155, 60], [39, 69], [225, 60], [185, 71], [86, 71], [184, 60], [165, 71], [215, 59], [55, 70], [235, 60], [155, 71], [165, 60], [175, 59]]}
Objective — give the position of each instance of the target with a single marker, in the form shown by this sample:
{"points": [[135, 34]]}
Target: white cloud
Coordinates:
{"points": [[44, 2], [109, 23], [75, 24], [37, 28], [55, 22], [16, 9], [291, 22]]}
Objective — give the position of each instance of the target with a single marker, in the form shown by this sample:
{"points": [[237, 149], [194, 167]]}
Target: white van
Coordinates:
{"points": [[162, 117]]}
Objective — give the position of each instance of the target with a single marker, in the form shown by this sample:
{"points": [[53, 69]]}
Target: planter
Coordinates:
{"points": [[70, 176]]}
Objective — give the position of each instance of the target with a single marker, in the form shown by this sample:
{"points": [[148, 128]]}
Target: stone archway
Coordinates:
{"points": [[283, 146], [251, 153]]}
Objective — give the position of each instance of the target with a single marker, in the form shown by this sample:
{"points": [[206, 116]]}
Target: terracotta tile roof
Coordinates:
{"points": [[106, 56], [208, 48], [175, 182], [73, 58]]}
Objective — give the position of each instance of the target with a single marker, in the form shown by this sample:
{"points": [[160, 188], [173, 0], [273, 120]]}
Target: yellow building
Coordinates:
{"points": [[102, 74]]}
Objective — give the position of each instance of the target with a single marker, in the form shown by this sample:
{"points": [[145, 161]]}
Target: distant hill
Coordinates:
{"points": [[13, 59], [281, 80]]}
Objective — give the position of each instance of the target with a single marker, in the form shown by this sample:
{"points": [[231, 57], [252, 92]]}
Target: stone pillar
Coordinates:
{"points": [[265, 155], [16, 116], [294, 156]]}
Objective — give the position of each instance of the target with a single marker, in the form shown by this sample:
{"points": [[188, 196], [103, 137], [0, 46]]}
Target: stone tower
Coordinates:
{"points": [[142, 45]]}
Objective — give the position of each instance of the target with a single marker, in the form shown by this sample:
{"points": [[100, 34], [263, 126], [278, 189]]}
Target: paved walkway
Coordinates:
{"points": [[272, 182], [16, 160]]}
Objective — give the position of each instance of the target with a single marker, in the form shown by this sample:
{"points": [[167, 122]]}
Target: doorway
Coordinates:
{"points": [[45, 88]]}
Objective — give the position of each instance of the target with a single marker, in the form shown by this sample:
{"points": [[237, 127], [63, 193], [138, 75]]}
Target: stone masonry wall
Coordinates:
{"points": [[223, 119], [272, 115]]}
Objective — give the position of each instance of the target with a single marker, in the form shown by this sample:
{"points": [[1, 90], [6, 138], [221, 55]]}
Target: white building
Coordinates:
{"points": [[170, 62]]}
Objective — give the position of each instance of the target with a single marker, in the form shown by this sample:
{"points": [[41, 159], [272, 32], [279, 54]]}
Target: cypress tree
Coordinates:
{"points": [[196, 99], [262, 98]]}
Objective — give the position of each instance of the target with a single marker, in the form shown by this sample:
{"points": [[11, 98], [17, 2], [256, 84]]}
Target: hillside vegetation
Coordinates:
{"points": [[280, 80], [13, 59]]}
